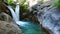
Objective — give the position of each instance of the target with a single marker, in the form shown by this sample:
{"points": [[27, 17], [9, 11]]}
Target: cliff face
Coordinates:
{"points": [[49, 17], [51, 20], [7, 25]]}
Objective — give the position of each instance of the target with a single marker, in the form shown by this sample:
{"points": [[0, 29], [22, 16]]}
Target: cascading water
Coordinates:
{"points": [[27, 27], [15, 15]]}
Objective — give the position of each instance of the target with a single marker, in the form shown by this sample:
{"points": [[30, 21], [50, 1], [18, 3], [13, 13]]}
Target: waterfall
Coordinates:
{"points": [[17, 11], [15, 15], [26, 27]]}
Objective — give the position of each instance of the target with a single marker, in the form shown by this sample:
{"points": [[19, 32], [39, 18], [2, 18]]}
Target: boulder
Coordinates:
{"points": [[5, 17], [9, 28], [7, 25]]}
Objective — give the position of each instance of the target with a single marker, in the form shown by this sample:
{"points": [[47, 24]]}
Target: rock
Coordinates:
{"points": [[48, 17], [5, 17], [7, 25], [51, 20], [9, 28]]}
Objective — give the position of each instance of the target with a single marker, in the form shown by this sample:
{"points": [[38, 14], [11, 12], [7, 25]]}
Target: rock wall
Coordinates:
{"points": [[49, 17], [51, 20]]}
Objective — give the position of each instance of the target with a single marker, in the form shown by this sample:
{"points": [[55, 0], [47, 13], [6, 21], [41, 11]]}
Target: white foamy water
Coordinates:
{"points": [[15, 15]]}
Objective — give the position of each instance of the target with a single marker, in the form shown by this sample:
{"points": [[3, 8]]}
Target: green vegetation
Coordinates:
{"points": [[9, 1], [23, 1], [56, 4]]}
